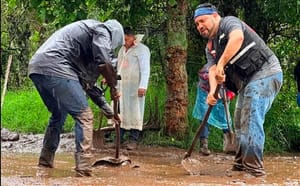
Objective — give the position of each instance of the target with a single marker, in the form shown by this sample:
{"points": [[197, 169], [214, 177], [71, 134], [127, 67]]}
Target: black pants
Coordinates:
{"points": [[133, 134]]}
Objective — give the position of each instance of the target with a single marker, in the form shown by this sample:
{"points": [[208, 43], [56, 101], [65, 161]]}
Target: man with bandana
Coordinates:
{"points": [[248, 67], [66, 67]]}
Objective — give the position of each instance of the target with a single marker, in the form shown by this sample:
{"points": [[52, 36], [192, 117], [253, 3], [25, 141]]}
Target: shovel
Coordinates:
{"points": [[117, 159], [99, 134], [225, 102], [231, 148], [187, 162]]}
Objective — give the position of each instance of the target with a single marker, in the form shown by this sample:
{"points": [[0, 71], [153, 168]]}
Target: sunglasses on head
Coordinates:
{"points": [[206, 5]]}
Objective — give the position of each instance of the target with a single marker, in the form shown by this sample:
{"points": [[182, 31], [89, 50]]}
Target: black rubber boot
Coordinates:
{"points": [[83, 165], [46, 159]]}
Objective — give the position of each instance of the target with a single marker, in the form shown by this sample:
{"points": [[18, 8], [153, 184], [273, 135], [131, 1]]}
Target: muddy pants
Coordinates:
{"points": [[252, 105], [62, 97]]}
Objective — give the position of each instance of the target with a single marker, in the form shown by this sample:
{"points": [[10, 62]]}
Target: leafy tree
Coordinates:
{"points": [[15, 39]]}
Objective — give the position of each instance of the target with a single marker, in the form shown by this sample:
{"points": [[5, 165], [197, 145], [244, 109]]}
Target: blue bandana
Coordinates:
{"points": [[204, 11]]}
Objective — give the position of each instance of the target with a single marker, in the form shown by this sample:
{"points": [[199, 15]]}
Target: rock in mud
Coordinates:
{"points": [[7, 135]]}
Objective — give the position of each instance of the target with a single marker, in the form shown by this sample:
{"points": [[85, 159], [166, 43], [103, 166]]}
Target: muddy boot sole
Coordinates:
{"points": [[45, 165]]}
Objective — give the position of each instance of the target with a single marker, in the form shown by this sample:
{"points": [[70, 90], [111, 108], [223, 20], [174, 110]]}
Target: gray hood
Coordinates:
{"points": [[117, 32]]}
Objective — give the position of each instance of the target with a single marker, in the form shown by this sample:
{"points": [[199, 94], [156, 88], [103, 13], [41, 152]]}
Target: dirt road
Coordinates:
{"points": [[150, 166]]}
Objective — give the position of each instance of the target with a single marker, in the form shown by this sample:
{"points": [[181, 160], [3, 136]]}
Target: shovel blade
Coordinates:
{"points": [[98, 139], [193, 166], [111, 161]]}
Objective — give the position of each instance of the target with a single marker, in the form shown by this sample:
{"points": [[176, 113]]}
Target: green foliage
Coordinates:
{"points": [[159, 138], [172, 2], [282, 11], [156, 91], [24, 111], [51, 11], [14, 39], [282, 125]]}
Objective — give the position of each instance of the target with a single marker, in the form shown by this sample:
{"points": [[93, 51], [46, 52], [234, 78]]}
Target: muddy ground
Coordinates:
{"points": [[150, 165]]}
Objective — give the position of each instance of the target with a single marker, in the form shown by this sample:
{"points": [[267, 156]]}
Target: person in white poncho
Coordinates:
{"points": [[134, 69]]}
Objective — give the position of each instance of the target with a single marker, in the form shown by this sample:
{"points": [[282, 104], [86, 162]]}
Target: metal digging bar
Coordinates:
{"points": [[117, 159], [201, 127], [117, 128]]}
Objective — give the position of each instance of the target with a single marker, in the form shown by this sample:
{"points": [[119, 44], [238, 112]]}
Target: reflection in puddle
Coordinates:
{"points": [[149, 166]]}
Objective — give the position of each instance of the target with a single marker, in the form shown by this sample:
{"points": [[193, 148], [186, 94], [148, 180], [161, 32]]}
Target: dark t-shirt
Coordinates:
{"points": [[230, 23]]}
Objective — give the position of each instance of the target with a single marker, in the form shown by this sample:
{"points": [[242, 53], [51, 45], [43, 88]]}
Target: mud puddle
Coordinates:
{"points": [[149, 166]]}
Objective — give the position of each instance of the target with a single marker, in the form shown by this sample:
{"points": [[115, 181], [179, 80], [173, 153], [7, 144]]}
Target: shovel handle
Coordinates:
{"points": [[227, 113], [117, 127], [202, 126]]}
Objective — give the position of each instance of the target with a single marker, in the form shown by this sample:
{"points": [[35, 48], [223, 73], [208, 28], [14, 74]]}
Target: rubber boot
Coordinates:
{"points": [[46, 159], [133, 139], [229, 146], [83, 165], [204, 147]]}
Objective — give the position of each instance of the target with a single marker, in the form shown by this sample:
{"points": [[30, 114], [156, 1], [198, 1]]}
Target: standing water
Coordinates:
{"points": [[149, 166]]}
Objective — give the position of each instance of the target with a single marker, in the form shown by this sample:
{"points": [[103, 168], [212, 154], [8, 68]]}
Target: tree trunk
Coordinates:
{"points": [[176, 56]]}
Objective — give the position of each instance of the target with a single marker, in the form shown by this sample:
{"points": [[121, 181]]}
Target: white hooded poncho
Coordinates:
{"points": [[134, 68]]}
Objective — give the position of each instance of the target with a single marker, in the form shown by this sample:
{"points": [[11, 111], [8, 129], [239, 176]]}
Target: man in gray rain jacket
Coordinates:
{"points": [[62, 69]]}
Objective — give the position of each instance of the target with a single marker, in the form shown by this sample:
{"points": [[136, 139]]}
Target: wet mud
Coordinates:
{"points": [[150, 165]]}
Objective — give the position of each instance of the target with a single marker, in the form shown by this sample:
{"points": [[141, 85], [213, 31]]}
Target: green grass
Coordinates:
{"points": [[24, 111]]}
